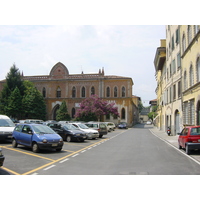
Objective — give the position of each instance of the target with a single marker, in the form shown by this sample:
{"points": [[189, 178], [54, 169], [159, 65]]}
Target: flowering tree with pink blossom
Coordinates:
{"points": [[92, 108]]}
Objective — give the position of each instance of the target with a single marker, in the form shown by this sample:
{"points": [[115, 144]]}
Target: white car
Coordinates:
{"points": [[91, 133], [111, 126], [148, 122]]}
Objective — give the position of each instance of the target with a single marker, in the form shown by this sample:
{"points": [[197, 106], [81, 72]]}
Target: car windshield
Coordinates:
{"points": [[83, 126], [42, 129], [69, 127], [6, 123], [195, 131]]}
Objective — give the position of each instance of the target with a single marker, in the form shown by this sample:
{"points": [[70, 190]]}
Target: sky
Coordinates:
{"points": [[123, 50]]}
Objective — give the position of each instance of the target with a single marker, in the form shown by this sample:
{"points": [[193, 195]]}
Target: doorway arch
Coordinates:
{"points": [[56, 107]]}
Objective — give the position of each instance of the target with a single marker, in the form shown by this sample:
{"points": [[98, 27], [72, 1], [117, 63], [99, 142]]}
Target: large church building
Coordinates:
{"points": [[59, 85]]}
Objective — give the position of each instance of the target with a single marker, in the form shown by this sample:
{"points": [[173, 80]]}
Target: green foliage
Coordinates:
{"points": [[14, 103], [33, 103], [62, 113], [20, 99]]}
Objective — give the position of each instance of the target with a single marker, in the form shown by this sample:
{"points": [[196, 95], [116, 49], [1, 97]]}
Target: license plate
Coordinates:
{"points": [[54, 145]]}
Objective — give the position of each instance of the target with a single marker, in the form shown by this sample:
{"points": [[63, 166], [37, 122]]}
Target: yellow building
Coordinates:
{"points": [[190, 54], [160, 66], [60, 85]]}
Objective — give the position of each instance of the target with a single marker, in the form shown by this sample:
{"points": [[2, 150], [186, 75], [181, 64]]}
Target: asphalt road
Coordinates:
{"points": [[128, 152]]}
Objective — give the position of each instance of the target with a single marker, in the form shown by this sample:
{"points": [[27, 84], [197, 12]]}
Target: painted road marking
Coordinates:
{"points": [[49, 167]]}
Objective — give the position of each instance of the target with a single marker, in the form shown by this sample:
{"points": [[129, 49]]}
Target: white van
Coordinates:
{"points": [[6, 127]]}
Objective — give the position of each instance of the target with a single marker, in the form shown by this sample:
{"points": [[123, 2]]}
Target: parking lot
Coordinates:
{"points": [[22, 161]]}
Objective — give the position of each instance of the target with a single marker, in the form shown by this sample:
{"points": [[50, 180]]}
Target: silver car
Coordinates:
{"points": [[91, 133]]}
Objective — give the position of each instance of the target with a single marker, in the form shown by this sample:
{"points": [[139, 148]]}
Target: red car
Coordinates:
{"points": [[189, 138]]}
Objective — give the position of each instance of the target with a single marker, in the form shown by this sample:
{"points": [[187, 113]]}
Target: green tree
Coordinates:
{"points": [[14, 104], [33, 102], [13, 80], [62, 113]]}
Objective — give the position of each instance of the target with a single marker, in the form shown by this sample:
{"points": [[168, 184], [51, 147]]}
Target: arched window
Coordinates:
{"points": [[123, 113], [123, 91], [191, 76], [58, 92], [44, 92], [115, 91], [198, 69], [73, 92], [83, 92], [92, 91], [73, 112], [107, 92]]}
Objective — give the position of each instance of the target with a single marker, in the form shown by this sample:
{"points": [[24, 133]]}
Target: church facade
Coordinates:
{"points": [[59, 85]]}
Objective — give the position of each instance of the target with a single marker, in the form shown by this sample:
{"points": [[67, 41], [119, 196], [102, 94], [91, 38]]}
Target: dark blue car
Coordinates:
{"points": [[122, 125], [37, 137], [1, 158]]}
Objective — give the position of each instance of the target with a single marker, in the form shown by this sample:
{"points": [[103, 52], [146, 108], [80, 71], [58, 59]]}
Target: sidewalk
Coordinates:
{"points": [[173, 140]]}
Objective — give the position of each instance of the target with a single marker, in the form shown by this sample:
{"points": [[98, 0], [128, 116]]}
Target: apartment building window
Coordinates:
{"points": [[191, 76], [58, 92], [185, 80], [177, 36], [173, 67], [196, 29], [178, 61], [183, 43], [192, 112], [172, 43], [185, 113], [73, 92], [189, 34], [179, 89], [198, 69], [174, 92]]}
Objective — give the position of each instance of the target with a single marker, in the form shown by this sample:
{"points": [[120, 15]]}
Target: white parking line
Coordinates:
{"points": [[49, 167], [83, 151], [75, 155], [62, 161]]}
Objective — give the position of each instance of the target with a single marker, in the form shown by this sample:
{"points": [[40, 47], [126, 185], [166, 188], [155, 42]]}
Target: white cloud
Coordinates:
{"points": [[121, 50]]}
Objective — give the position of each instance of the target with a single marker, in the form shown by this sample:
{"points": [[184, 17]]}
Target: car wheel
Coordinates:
{"points": [[59, 149], [187, 150], [100, 136], [35, 148], [14, 143], [68, 138]]}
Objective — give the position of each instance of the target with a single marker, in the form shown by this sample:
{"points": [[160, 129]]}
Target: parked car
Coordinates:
{"points": [[189, 138], [99, 126], [68, 132], [122, 125], [36, 136], [91, 133], [1, 158], [34, 121], [6, 127], [148, 122], [111, 126]]}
